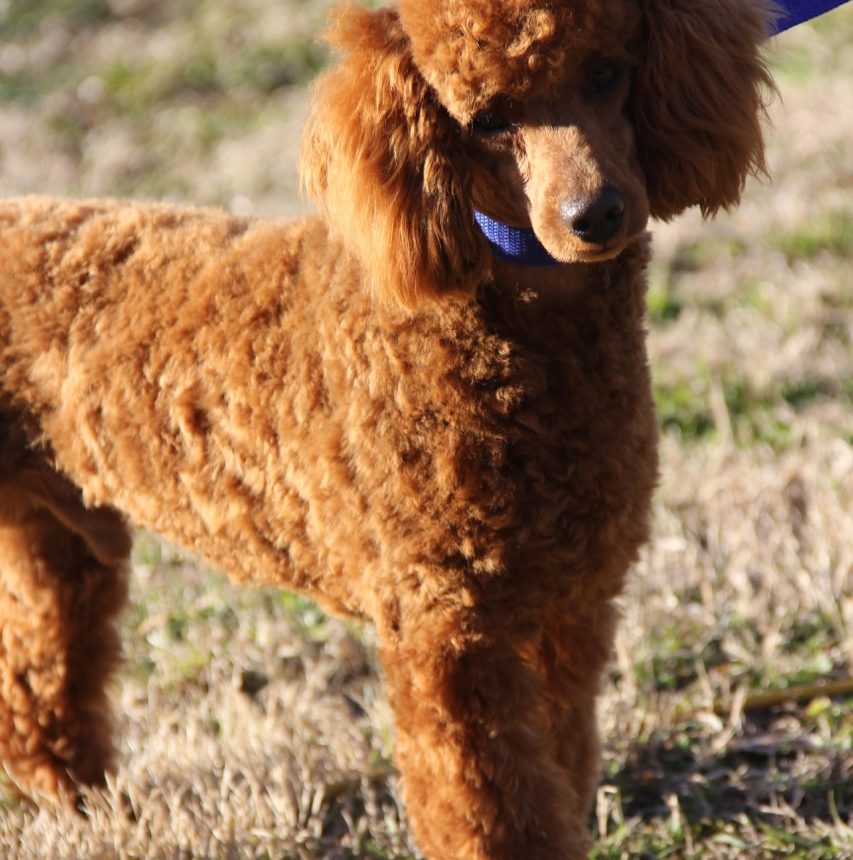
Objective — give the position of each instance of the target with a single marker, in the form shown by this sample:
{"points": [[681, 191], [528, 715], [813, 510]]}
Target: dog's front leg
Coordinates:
{"points": [[483, 775]]}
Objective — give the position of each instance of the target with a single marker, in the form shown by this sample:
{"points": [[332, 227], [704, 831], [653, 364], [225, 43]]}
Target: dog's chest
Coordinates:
{"points": [[525, 438]]}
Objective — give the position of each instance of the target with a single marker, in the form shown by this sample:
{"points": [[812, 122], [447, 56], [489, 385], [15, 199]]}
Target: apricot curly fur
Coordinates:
{"points": [[370, 406]]}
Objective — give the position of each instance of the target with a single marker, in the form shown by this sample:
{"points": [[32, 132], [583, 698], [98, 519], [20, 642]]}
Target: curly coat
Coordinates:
{"points": [[371, 407]]}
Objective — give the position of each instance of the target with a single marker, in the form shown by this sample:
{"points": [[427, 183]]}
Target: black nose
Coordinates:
{"points": [[597, 218]]}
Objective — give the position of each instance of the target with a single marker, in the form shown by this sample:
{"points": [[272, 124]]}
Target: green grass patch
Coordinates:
{"points": [[757, 416], [802, 392], [369, 849], [19, 17], [151, 552], [666, 300], [781, 842], [211, 62], [830, 233], [677, 794], [663, 303], [275, 65], [683, 409], [754, 417], [18, 88], [671, 665], [810, 668], [701, 253], [9, 798], [307, 618], [209, 75], [794, 64], [810, 634]]}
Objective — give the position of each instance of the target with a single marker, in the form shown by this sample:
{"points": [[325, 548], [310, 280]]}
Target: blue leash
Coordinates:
{"points": [[797, 11]]}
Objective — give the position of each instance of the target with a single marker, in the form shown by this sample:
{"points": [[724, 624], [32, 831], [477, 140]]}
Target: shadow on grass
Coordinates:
{"points": [[771, 766]]}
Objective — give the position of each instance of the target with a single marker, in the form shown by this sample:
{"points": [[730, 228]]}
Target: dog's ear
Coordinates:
{"points": [[699, 98], [383, 160]]}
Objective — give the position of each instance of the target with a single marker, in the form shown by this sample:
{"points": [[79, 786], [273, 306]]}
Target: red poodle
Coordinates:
{"points": [[428, 407]]}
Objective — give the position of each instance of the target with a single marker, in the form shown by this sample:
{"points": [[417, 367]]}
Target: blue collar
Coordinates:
{"points": [[516, 244]]}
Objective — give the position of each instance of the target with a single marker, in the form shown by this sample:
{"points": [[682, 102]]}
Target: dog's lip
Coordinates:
{"points": [[600, 253]]}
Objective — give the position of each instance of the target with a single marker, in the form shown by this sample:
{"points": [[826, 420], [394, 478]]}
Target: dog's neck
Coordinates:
{"points": [[516, 245], [542, 288]]}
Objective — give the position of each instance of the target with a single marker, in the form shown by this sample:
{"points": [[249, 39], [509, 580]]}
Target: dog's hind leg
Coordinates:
{"points": [[61, 587]]}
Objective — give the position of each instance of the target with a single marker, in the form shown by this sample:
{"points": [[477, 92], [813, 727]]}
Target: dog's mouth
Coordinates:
{"points": [[567, 249], [599, 253]]}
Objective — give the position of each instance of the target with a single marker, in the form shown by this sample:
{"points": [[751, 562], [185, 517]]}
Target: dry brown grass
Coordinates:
{"points": [[252, 726]]}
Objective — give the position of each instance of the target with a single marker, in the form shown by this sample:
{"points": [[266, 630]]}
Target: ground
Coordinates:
{"points": [[252, 725]]}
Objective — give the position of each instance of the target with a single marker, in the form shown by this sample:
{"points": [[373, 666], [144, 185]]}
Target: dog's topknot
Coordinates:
{"points": [[473, 50]]}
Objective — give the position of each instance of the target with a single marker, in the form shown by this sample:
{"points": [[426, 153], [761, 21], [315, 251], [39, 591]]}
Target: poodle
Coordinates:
{"points": [[428, 407]]}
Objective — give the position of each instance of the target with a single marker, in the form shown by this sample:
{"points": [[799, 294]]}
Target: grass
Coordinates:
{"points": [[830, 234], [151, 86], [706, 406], [19, 18], [252, 725]]}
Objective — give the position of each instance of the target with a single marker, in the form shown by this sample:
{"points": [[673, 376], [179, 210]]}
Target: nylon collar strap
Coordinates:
{"points": [[516, 244]]}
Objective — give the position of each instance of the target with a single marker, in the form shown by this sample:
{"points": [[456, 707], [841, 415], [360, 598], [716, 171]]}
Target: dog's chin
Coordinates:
{"points": [[587, 253]]}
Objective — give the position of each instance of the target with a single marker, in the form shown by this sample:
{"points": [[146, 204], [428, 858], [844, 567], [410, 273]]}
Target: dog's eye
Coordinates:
{"points": [[489, 121], [604, 77]]}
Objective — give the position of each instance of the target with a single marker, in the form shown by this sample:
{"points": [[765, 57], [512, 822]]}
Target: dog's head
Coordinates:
{"points": [[576, 118]]}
